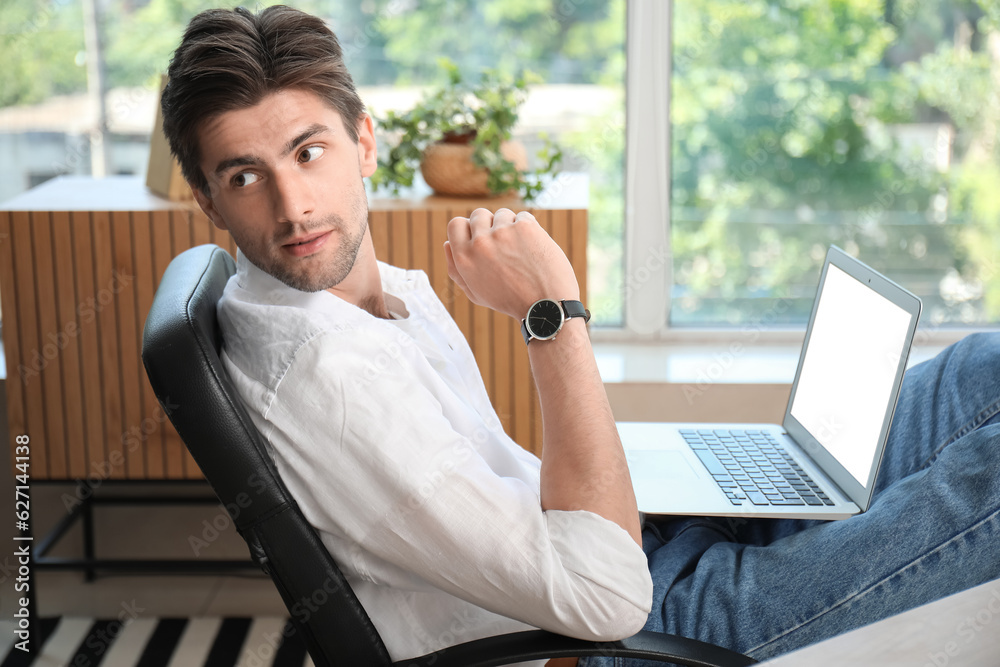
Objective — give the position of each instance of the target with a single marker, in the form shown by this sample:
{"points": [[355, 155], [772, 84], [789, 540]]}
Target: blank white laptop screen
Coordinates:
{"points": [[848, 370]]}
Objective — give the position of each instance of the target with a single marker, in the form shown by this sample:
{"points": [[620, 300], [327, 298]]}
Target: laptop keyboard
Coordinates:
{"points": [[752, 468]]}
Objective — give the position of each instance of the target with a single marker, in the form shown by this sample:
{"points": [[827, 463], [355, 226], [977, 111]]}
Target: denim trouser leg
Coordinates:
{"points": [[765, 587]]}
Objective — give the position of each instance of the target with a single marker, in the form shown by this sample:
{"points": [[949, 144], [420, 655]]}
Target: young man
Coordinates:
{"points": [[373, 408], [366, 390]]}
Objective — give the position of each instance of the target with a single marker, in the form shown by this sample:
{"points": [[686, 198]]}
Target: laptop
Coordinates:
{"points": [[822, 461]]}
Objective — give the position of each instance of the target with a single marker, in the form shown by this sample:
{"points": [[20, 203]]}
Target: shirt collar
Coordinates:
{"points": [[269, 289]]}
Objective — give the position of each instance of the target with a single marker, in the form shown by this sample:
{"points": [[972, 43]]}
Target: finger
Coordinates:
{"points": [[503, 217], [452, 269], [459, 231], [525, 216], [480, 221]]}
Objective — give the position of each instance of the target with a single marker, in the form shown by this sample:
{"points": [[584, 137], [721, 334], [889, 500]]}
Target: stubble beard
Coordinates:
{"points": [[308, 274]]}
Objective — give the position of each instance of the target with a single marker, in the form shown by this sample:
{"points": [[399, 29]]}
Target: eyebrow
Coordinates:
{"points": [[254, 160], [306, 135]]}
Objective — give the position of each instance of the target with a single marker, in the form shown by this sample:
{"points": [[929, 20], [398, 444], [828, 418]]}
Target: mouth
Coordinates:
{"points": [[306, 245]]}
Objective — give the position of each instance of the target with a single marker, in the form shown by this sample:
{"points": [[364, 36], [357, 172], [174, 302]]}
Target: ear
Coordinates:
{"points": [[207, 205], [367, 152]]}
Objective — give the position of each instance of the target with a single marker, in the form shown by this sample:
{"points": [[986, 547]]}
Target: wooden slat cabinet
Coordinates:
{"points": [[80, 260]]}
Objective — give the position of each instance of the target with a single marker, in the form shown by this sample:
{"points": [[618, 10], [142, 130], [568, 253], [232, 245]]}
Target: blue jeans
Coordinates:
{"points": [[767, 586]]}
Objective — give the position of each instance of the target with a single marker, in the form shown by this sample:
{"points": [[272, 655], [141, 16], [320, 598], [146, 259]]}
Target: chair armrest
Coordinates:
{"points": [[542, 645]]}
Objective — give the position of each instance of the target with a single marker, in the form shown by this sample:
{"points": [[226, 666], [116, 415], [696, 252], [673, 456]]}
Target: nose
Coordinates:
{"points": [[293, 200]]}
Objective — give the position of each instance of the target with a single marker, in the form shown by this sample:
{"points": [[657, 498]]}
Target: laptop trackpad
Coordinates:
{"points": [[659, 465]]}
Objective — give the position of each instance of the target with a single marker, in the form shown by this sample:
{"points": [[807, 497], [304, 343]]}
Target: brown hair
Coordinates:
{"points": [[232, 59]]}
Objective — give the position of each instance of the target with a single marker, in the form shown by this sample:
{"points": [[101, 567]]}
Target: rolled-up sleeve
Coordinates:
{"points": [[384, 457]]}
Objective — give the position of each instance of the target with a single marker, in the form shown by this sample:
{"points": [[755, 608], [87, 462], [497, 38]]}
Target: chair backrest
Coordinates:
{"points": [[180, 350]]}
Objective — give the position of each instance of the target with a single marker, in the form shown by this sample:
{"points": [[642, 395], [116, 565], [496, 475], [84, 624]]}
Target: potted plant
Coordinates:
{"points": [[459, 136]]}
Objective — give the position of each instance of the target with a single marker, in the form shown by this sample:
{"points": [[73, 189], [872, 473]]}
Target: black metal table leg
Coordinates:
{"points": [[88, 533], [90, 564]]}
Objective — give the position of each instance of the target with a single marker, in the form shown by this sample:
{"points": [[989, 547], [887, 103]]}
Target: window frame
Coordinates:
{"points": [[647, 267]]}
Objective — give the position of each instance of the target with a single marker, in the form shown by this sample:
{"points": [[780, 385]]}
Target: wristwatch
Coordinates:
{"points": [[546, 317]]}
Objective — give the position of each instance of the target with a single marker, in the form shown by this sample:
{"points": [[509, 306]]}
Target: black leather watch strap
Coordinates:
{"points": [[575, 309]]}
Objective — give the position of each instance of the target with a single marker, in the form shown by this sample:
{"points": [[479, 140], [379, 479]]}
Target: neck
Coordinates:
{"points": [[363, 286], [376, 306]]}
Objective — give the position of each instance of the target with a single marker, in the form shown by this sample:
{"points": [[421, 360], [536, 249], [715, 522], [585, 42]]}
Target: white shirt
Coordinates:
{"points": [[384, 434]]}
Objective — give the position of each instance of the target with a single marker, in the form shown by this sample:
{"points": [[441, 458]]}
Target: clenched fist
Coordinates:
{"points": [[507, 262]]}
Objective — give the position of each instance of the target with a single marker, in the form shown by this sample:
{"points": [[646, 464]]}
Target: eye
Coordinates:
{"points": [[311, 153], [245, 178]]}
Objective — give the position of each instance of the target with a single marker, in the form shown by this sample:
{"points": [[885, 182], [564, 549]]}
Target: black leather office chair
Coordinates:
{"points": [[180, 350]]}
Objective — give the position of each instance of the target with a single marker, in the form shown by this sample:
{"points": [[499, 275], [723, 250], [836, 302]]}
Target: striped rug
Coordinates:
{"points": [[160, 642]]}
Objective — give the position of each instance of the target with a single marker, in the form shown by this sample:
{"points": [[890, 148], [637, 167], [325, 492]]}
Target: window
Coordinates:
{"points": [[756, 132], [790, 125]]}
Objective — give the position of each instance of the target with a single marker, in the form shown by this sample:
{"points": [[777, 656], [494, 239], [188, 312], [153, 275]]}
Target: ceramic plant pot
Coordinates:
{"points": [[447, 167]]}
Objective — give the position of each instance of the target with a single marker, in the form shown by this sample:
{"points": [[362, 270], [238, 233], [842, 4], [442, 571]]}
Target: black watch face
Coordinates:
{"points": [[544, 319]]}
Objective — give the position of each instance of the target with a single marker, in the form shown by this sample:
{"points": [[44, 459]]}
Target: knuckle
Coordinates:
{"points": [[481, 244]]}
